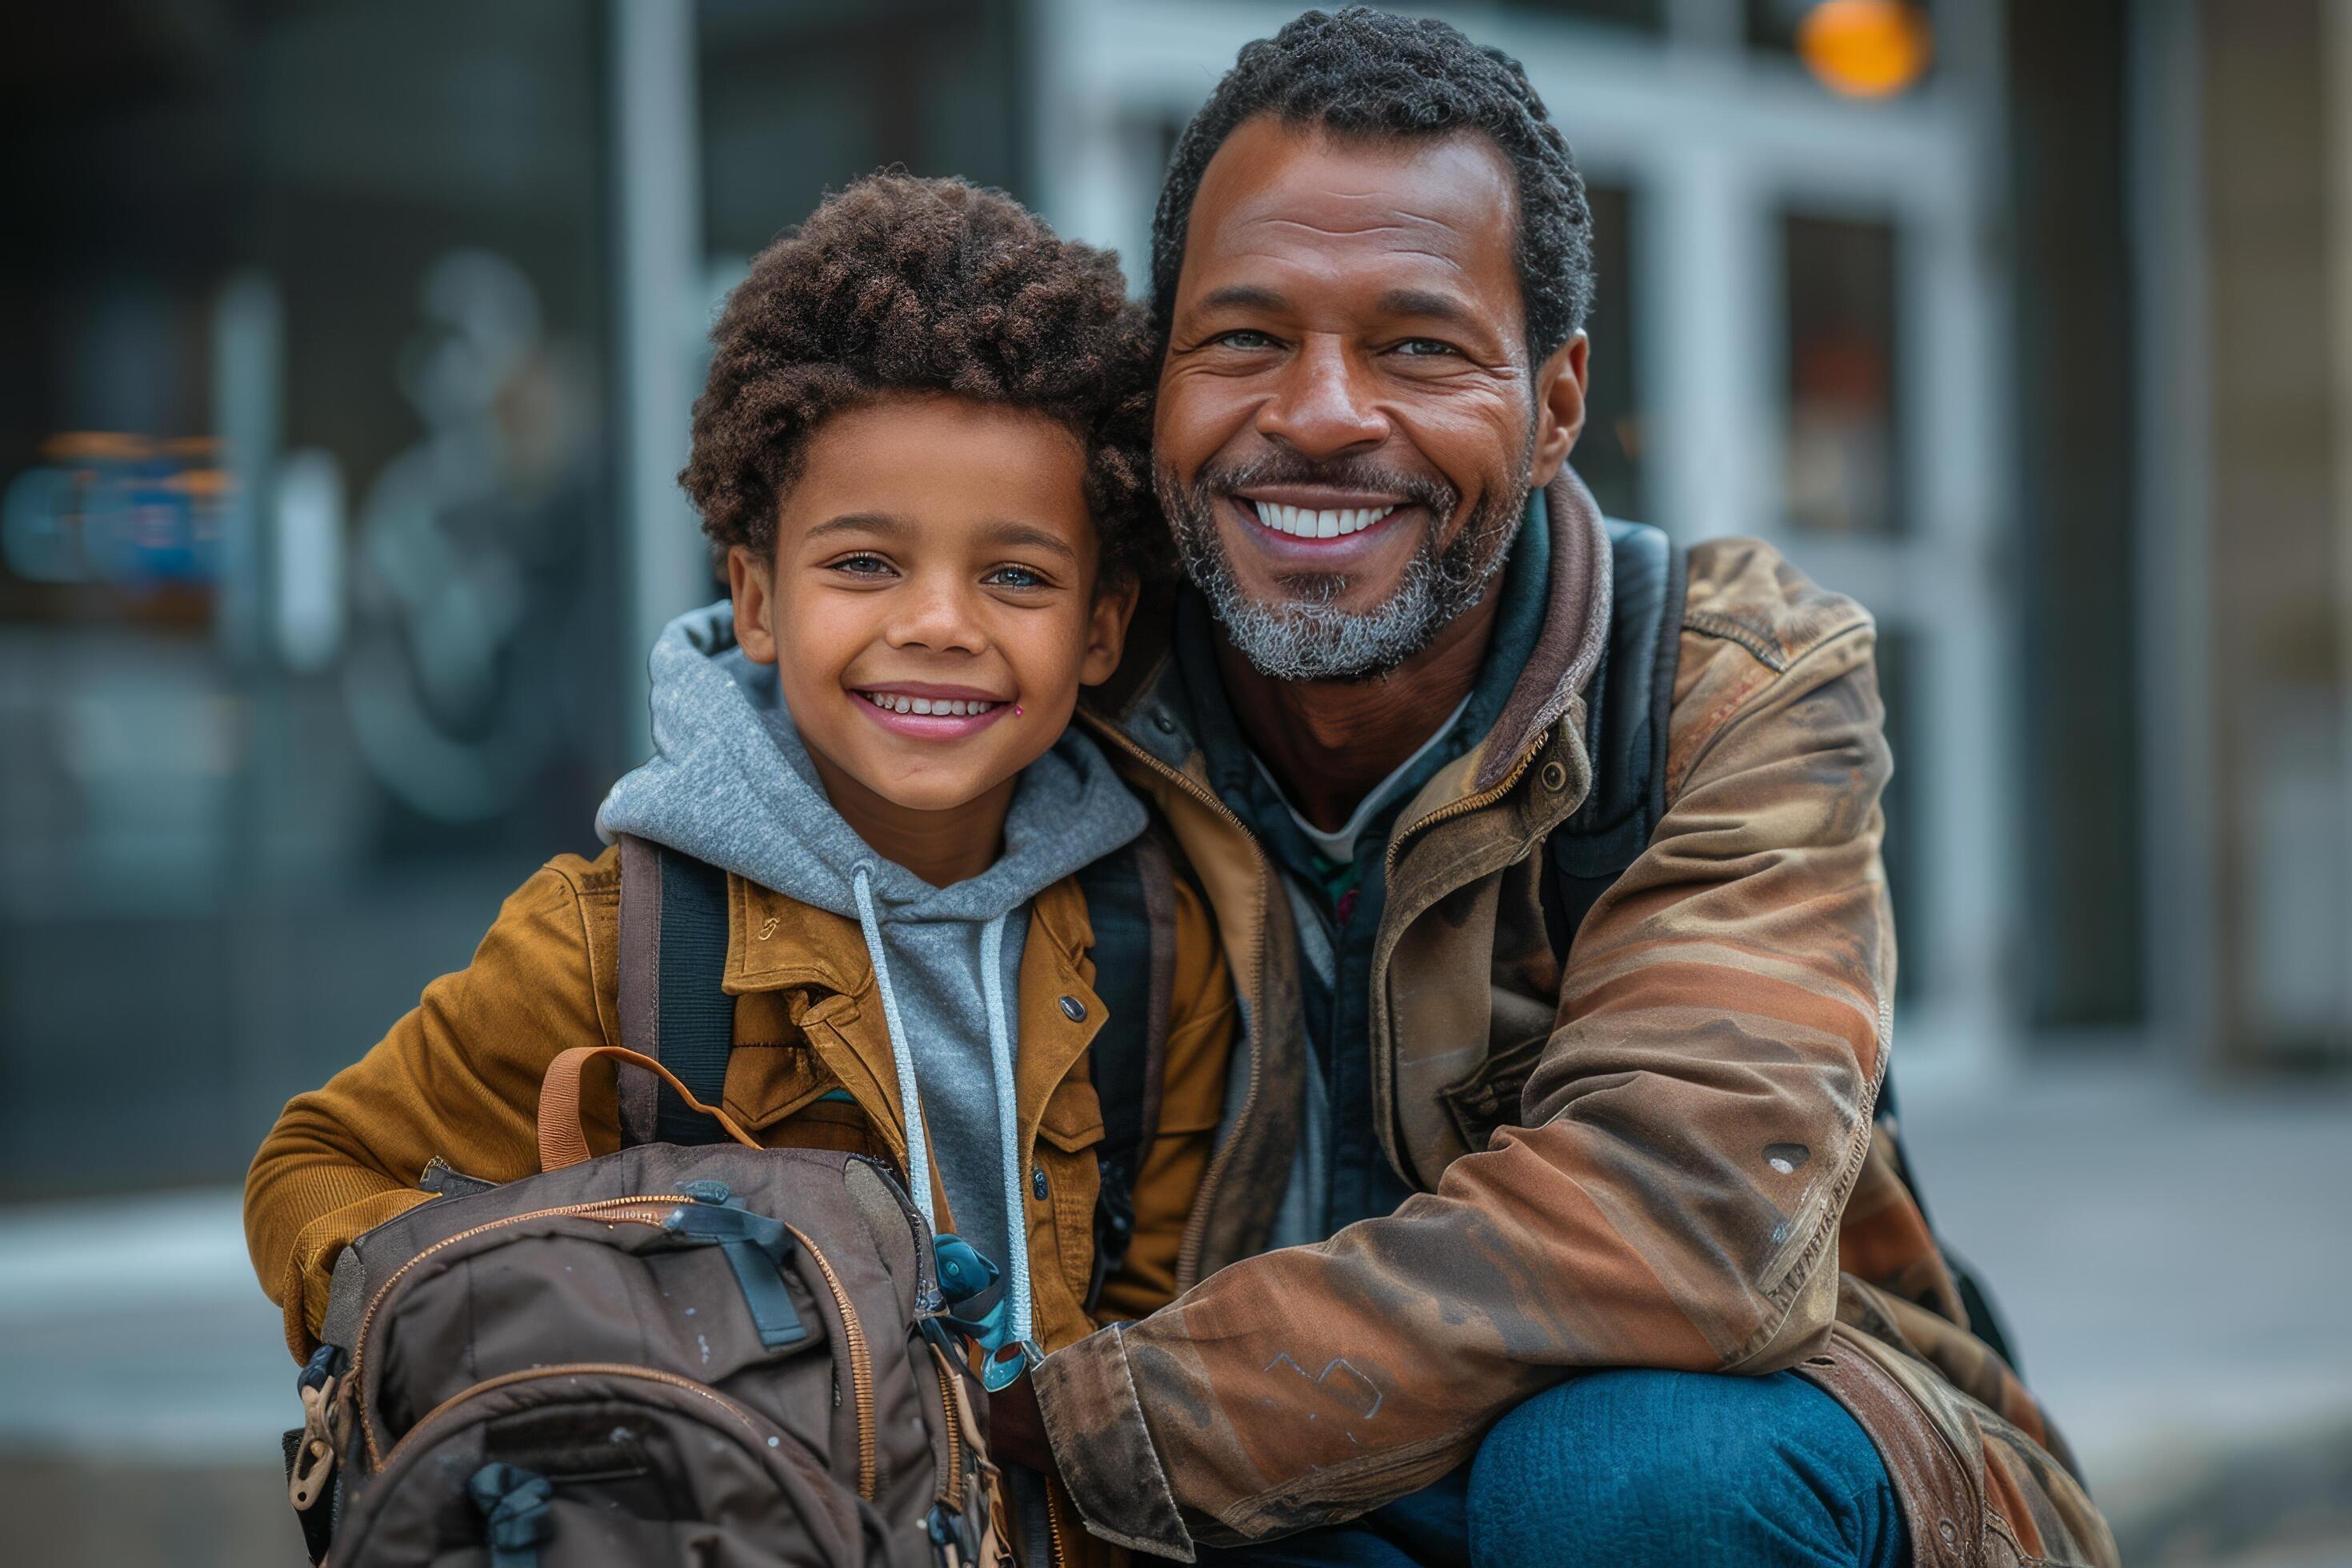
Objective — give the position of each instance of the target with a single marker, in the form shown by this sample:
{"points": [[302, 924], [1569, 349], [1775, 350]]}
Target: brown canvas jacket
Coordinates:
{"points": [[458, 1077], [1664, 1157]]}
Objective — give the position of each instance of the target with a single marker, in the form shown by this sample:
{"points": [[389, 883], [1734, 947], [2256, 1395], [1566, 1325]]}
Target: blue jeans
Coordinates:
{"points": [[1637, 1469]]}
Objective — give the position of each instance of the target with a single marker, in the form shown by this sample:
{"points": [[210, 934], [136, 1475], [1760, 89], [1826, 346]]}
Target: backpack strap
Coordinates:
{"points": [[1132, 904], [673, 1007], [1626, 731]]}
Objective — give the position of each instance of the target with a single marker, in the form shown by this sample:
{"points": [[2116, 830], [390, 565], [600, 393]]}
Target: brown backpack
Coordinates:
{"points": [[707, 1354]]}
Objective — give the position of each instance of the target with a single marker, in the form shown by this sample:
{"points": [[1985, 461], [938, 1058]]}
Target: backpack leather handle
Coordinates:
{"points": [[562, 1140]]}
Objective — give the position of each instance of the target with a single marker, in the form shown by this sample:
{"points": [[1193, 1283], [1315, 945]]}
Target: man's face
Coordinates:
{"points": [[1348, 425]]}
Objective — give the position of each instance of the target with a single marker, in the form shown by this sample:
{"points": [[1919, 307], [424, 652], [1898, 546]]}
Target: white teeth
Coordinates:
{"points": [[936, 707], [1305, 523]]}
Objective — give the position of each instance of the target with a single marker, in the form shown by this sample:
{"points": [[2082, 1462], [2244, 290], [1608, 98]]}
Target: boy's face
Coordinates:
{"points": [[935, 552]]}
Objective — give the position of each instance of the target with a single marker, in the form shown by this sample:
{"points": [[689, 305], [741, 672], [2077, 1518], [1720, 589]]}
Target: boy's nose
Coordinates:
{"points": [[938, 616]]}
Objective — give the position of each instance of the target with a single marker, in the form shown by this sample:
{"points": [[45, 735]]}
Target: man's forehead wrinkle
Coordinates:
{"points": [[1287, 255], [1384, 213], [1275, 235], [1293, 233]]}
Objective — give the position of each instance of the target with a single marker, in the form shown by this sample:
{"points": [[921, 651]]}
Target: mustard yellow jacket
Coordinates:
{"points": [[459, 1078]]}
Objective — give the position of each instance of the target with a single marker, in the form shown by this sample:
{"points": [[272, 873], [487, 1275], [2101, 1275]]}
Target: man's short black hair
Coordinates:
{"points": [[1365, 72]]}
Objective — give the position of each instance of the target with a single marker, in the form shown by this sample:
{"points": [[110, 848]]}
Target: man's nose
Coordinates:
{"points": [[1323, 403], [937, 612]]}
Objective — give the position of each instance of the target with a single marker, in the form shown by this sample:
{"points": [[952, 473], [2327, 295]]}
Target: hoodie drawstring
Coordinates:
{"points": [[910, 1099], [1008, 1119], [902, 1059]]}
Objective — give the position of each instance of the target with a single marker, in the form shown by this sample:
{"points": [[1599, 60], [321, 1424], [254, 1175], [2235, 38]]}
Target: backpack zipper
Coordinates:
{"points": [[571, 1369], [861, 1366], [616, 1210], [952, 1493], [595, 1210], [1054, 1530]]}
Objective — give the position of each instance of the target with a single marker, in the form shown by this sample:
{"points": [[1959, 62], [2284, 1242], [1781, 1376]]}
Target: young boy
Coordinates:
{"points": [[923, 449]]}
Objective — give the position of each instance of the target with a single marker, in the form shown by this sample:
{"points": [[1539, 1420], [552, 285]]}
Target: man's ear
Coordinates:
{"points": [[1559, 409], [1115, 602], [750, 583]]}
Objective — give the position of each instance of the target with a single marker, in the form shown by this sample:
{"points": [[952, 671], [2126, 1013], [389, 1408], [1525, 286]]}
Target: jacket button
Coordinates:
{"points": [[1037, 1182], [1073, 1010], [1554, 776], [1164, 719]]}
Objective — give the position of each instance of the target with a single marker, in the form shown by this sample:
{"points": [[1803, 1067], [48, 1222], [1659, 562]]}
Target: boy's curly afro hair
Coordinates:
{"points": [[899, 284]]}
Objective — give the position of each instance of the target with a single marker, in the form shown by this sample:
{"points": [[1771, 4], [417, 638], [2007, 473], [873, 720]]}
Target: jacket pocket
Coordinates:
{"points": [[765, 1084], [1067, 1133], [1489, 1098]]}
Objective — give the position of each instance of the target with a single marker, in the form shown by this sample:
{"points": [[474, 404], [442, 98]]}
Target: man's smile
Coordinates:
{"points": [[1330, 528], [1317, 511]]}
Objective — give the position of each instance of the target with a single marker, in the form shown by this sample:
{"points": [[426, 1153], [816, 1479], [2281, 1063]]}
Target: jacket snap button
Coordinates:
{"points": [[1165, 719], [1073, 1010], [1037, 1182], [1555, 777]]}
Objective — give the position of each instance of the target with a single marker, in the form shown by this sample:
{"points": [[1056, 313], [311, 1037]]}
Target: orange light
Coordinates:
{"points": [[1865, 48]]}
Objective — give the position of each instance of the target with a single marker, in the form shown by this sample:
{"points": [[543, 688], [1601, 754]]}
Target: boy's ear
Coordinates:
{"points": [[1115, 602], [750, 584]]}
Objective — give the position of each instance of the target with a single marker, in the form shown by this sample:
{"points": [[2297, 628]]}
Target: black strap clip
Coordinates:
{"points": [[757, 1248]]}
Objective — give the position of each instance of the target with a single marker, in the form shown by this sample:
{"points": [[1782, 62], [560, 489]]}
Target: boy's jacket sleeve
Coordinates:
{"points": [[1726, 1001], [460, 1075]]}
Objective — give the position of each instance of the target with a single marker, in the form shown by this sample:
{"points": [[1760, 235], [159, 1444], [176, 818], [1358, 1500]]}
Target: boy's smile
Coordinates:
{"points": [[932, 607], [933, 712]]}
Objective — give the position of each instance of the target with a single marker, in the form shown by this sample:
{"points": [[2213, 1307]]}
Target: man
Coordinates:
{"points": [[1552, 1205]]}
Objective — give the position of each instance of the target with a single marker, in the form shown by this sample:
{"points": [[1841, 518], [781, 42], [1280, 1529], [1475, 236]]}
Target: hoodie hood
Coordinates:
{"points": [[733, 784]]}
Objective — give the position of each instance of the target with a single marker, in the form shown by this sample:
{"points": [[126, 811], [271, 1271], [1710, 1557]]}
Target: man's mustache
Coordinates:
{"points": [[1339, 473]]}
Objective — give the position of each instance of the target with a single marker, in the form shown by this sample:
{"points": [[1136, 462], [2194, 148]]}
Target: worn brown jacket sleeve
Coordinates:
{"points": [[459, 1077], [1192, 1094], [1698, 1115]]}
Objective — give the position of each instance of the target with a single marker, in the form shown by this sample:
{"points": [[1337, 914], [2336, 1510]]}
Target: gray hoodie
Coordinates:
{"points": [[733, 784]]}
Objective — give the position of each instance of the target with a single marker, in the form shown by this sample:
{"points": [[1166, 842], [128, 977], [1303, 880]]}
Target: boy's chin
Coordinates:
{"points": [[942, 796], [935, 788]]}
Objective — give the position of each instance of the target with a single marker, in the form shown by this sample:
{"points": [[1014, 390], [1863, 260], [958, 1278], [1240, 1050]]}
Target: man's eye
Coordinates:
{"points": [[1425, 348], [1016, 577], [1242, 338]]}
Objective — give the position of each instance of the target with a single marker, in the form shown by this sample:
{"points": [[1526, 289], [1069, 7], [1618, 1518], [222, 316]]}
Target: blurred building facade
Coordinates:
{"points": [[346, 352]]}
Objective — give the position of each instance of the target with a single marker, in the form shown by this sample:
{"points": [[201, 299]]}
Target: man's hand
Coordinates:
{"points": [[1016, 1433]]}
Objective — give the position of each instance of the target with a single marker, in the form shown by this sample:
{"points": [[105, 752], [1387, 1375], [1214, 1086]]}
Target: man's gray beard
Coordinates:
{"points": [[1310, 637]]}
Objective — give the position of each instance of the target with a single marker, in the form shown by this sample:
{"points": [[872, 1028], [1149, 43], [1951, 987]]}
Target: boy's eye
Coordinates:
{"points": [[1012, 576], [862, 565]]}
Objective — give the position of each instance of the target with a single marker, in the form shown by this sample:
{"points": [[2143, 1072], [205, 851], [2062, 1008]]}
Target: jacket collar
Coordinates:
{"points": [[775, 942]]}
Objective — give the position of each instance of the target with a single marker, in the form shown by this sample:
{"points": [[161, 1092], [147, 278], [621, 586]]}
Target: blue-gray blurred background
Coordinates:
{"points": [[345, 358]]}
